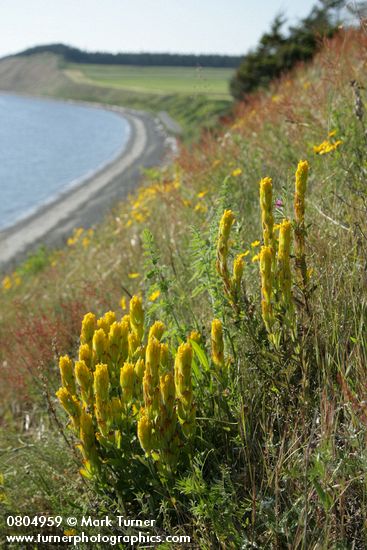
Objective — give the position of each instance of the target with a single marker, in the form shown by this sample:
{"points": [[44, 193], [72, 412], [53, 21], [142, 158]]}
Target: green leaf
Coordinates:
{"points": [[201, 355]]}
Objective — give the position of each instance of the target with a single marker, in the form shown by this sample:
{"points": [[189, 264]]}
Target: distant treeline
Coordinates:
{"points": [[74, 55]]}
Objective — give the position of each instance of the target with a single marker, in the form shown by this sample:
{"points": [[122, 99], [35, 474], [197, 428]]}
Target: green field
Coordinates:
{"points": [[155, 80]]}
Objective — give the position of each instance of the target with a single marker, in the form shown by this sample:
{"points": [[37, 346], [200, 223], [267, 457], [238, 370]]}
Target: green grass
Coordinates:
{"points": [[213, 83]]}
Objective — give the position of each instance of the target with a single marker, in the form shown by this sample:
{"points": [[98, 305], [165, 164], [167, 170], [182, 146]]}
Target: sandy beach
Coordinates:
{"points": [[86, 204]]}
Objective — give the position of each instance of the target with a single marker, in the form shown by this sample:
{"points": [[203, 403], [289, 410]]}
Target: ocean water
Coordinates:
{"points": [[49, 146]]}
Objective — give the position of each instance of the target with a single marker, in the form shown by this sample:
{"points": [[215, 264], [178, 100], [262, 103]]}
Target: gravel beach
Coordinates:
{"points": [[87, 203]]}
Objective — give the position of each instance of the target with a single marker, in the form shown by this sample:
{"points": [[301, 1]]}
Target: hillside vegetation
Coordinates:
{"points": [[143, 59], [212, 83], [240, 418]]}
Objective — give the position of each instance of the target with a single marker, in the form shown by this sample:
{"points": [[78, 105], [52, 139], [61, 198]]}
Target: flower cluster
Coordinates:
{"points": [[327, 146], [120, 381], [275, 254]]}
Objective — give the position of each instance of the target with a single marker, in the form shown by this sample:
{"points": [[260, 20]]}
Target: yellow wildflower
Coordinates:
{"points": [[255, 258], [154, 295], [7, 284], [237, 172], [326, 147], [133, 275], [217, 343], [255, 243], [145, 432], [123, 303], [201, 208], [202, 194], [266, 205], [85, 242]]}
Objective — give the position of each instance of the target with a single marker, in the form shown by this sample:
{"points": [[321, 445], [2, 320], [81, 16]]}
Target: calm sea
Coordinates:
{"points": [[48, 146]]}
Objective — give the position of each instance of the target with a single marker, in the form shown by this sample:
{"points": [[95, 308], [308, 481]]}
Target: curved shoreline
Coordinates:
{"points": [[86, 203]]}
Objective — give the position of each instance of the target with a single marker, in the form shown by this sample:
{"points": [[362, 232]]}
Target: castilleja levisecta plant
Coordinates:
{"points": [[130, 395], [125, 393], [277, 303]]}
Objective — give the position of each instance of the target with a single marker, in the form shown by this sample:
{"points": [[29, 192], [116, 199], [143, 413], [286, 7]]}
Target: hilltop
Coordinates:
{"points": [[143, 59]]}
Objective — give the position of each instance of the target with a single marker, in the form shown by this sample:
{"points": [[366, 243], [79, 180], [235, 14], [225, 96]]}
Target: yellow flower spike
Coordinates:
{"points": [[255, 258], [127, 379], [183, 385], [155, 295], [226, 223], [151, 375], [101, 382], [133, 344], [217, 343], [101, 392], [116, 410], [88, 439], [145, 432], [84, 378], [157, 330], [284, 270], [86, 355], [167, 420], [195, 336], [106, 321], [266, 206], [70, 404], [168, 392], [266, 258], [123, 304], [183, 381], [137, 317], [165, 357], [255, 243], [300, 190], [299, 212], [140, 369], [89, 325], [118, 341], [134, 275], [238, 268], [67, 374], [100, 344], [225, 226]]}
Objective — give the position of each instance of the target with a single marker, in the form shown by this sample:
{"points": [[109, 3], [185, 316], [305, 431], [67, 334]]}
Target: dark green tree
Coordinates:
{"points": [[277, 51]]}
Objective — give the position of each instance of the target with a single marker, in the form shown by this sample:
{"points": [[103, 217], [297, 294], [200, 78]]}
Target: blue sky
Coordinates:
{"points": [[190, 26]]}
